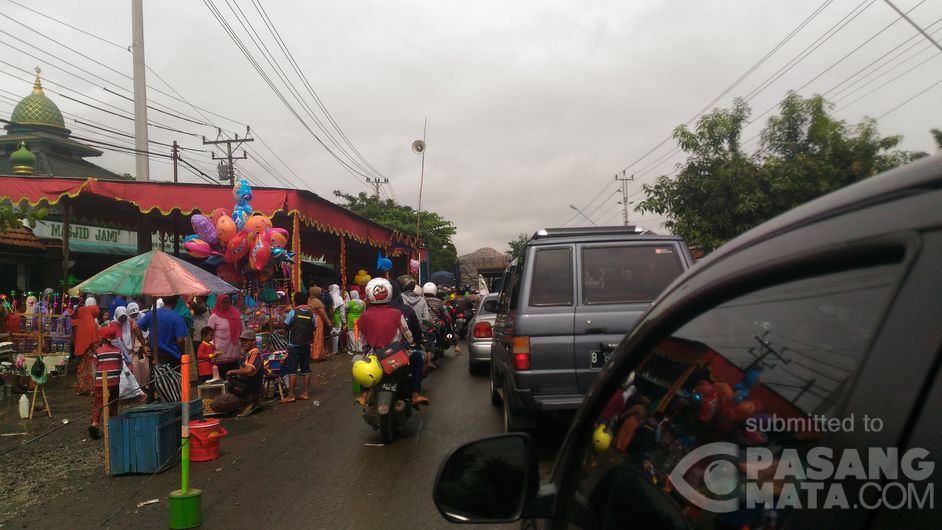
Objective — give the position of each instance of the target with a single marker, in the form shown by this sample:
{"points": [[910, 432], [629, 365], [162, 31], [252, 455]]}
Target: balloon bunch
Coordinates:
{"points": [[244, 246]]}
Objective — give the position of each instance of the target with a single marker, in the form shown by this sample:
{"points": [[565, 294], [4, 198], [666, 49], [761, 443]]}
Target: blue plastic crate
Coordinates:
{"points": [[146, 439]]}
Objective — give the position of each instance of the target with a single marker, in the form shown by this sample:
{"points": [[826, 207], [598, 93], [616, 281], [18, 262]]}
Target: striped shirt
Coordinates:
{"points": [[108, 358]]}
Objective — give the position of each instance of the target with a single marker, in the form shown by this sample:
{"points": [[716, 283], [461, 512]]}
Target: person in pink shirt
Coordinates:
{"points": [[226, 322]]}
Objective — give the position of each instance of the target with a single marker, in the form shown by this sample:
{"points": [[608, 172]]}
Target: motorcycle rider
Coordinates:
{"points": [[382, 325], [438, 311], [413, 300]]}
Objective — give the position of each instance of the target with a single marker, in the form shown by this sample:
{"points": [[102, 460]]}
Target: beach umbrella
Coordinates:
{"points": [[154, 273], [442, 278]]}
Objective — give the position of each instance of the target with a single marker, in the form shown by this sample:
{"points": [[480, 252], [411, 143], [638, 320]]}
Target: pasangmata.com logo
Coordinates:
{"points": [[721, 477]]}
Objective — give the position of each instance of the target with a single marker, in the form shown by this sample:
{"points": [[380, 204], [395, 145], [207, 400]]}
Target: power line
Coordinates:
{"points": [[284, 48], [733, 85], [248, 55], [907, 100]]}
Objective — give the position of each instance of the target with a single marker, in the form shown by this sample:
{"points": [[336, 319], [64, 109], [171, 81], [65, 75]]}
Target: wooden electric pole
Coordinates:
{"points": [[227, 171], [376, 183]]}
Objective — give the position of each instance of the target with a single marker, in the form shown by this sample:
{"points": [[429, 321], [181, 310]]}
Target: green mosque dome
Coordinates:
{"points": [[37, 109], [23, 160]]}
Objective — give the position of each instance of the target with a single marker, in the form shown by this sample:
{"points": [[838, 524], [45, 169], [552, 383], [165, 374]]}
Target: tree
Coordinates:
{"points": [[517, 246], [12, 216], [937, 136], [804, 153], [435, 231]]}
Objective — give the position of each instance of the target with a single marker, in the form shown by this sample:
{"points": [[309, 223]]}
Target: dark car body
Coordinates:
{"points": [[832, 309], [567, 302]]}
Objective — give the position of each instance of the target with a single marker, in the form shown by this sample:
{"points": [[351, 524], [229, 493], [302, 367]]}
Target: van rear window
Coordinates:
{"points": [[626, 274], [552, 278]]}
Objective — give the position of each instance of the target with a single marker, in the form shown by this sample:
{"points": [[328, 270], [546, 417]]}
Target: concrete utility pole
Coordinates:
{"points": [[227, 171], [175, 155], [624, 195], [142, 163], [376, 183]]}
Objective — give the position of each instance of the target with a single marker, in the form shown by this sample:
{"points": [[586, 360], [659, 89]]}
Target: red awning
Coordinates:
{"points": [[165, 197]]}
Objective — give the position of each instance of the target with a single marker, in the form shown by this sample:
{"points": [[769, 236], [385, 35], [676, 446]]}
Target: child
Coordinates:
{"points": [[107, 357], [205, 368]]}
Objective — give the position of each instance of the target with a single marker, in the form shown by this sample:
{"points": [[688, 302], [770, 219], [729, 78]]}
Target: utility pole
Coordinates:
{"points": [[420, 151], [624, 194], [175, 155], [142, 163], [376, 183], [226, 169]]}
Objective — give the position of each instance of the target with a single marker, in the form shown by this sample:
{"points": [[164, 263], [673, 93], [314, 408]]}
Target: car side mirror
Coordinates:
{"points": [[488, 481]]}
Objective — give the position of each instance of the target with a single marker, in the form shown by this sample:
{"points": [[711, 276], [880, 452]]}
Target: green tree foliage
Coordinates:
{"points": [[517, 245], [722, 191], [937, 136], [13, 216], [435, 231]]}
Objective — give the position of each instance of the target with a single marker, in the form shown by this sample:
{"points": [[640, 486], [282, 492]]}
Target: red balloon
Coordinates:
{"points": [[261, 251], [217, 213], [237, 247]]}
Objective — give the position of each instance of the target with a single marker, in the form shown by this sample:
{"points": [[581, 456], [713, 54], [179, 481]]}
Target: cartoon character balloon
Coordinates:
{"points": [[383, 264], [242, 245]]}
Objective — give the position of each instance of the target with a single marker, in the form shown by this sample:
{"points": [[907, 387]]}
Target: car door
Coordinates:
{"points": [[712, 422], [617, 281]]}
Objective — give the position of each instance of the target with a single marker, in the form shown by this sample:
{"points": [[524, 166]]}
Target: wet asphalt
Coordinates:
{"points": [[313, 464]]}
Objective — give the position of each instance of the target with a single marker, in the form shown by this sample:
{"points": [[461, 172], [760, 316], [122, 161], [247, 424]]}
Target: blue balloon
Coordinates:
{"points": [[383, 264]]}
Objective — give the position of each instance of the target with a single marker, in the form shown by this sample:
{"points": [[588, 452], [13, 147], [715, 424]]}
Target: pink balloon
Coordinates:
{"points": [[198, 248]]}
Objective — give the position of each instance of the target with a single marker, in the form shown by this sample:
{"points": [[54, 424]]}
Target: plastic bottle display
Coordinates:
{"points": [[24, 406]]}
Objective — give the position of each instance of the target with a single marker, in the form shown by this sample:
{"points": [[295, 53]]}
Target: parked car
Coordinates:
{"points": [[482, 333], [568, 301], [813, 340]]}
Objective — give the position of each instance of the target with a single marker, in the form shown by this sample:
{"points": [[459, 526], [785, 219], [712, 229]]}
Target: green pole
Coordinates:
{"points": [[185, 502]]}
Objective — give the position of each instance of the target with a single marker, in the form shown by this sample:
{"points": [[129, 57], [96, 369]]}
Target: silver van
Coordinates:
{"points": [[566, 304]]}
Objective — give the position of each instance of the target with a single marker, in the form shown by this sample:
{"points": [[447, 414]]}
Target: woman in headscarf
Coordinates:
{"points": [[339, 317], [86, 340], [140, 363], [317, 306], [129, 332], [226, 322], [355, 308]]}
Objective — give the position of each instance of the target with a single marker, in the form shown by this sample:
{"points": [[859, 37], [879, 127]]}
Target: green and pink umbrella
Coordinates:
{"points": [[154, 273]]}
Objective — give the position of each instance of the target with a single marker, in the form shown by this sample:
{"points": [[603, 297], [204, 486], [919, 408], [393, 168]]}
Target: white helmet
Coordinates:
{"points": [[379, 291], [430, 288]]}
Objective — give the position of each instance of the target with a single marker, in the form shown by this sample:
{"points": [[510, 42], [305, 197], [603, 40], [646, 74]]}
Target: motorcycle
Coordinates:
{"points": [[388, 402], [439, 338], [461, 323]]}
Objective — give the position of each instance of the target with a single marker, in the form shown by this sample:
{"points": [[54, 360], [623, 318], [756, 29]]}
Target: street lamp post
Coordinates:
{"points": [[573, 206]]}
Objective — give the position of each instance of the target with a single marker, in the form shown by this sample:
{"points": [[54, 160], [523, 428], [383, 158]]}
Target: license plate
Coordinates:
{"points": [[598, 359], [390, 387], [461, 321]]}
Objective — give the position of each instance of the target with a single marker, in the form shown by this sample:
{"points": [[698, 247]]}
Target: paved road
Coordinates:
{"points": [[307, 466]]}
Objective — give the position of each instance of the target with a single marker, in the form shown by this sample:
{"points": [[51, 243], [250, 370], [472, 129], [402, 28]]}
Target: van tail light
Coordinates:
{"points": [[482, 330], [521, 353]]}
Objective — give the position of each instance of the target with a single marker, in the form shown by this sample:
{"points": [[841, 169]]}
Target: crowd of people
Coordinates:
{"points": [[112, 345]]}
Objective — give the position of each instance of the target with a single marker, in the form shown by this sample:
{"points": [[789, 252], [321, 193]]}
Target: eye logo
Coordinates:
{"points": [[720, 477]]}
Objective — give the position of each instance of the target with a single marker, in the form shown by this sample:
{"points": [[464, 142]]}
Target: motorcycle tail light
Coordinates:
{"points": [[482, 330], [521, 353]]}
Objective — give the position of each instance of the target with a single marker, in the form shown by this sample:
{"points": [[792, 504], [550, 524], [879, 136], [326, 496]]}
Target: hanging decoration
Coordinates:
{"points": [[343, 260], [296, 247]]}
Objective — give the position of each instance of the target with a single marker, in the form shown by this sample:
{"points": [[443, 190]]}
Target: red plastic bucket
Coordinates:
{"points": [[204, 440]]}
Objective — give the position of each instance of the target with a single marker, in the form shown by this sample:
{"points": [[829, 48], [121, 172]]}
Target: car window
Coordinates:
{"points": [[488, 305], [551, 284], [624, 274], [508, 296], [672, 444]]}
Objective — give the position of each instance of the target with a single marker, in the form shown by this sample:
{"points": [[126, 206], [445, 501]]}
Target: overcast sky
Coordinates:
{"points": [[531, 106]]}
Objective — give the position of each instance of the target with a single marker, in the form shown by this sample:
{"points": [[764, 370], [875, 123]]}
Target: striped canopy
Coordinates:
{"points": [[155, 273]]}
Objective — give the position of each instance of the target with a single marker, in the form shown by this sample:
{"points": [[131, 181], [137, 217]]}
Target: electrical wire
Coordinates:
{"points": [[220, 18]]}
